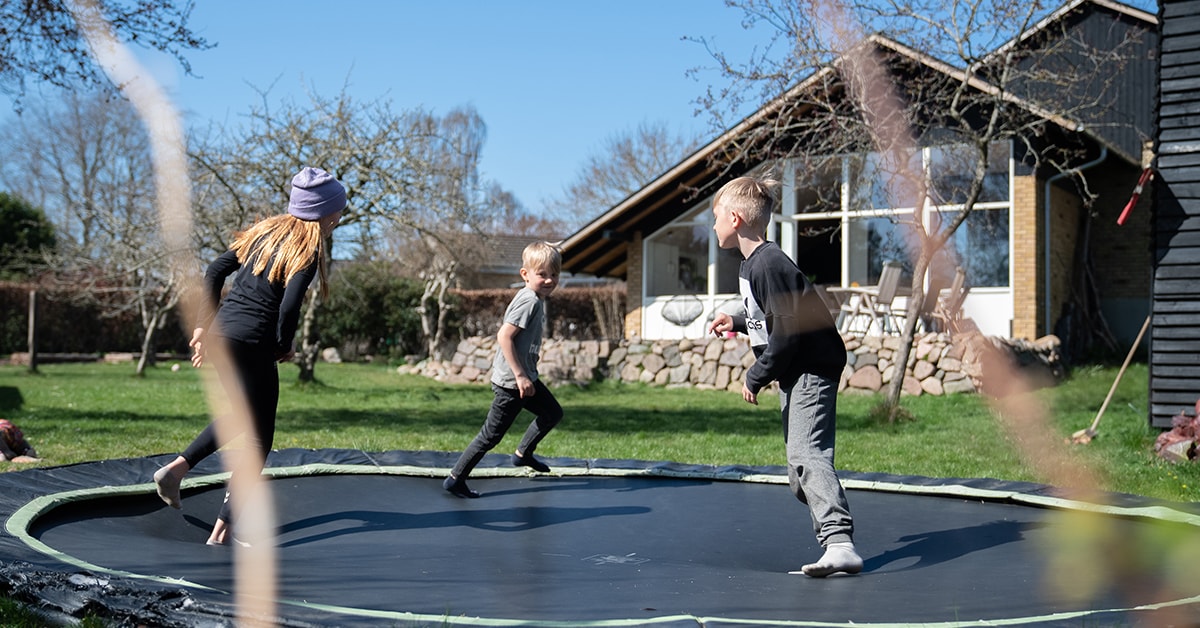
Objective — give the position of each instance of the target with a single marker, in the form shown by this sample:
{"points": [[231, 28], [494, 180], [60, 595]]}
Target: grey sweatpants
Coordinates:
{"points": [[809, 410]]}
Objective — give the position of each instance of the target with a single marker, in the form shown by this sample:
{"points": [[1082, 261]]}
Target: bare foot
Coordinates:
{"points": [[220, 533], [168, 486]]}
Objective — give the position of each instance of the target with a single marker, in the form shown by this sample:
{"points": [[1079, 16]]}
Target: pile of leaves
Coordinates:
{"points": [[1179, 443]]}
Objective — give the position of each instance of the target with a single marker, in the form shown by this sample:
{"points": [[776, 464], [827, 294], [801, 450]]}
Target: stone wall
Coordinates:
{"points": [[936, 366]]}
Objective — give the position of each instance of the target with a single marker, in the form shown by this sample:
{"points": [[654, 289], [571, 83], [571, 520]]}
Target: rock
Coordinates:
{"points": [[866, 378], [1179, 451], [932, 385], [653, 362], [958, 386], [922, 370]]}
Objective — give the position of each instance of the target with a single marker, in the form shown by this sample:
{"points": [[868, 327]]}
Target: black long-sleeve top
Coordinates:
{"points": [[256, 311], [790, 329]]}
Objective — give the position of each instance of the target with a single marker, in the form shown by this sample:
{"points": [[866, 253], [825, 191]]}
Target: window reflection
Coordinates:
{"points": [[952, 167], [677, 261], [878, 182], [980, 245], [728, 262], [876, 240]]}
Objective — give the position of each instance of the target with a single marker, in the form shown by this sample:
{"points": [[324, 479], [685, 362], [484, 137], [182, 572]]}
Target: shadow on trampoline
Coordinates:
{"points": [[932, 548], [372, 539], [500, 520]]}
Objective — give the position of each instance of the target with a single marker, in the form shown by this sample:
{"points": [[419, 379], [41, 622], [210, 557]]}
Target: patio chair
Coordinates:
{"points": [[864, 309], [925, 318], [883, 312], [947, 314]]}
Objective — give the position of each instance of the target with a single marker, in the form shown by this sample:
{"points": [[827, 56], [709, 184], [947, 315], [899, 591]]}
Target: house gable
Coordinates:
{"points": [[1041, 261]]}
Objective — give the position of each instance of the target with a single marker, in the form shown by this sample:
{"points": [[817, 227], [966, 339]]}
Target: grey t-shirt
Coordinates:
{"points": [[526, 312]]}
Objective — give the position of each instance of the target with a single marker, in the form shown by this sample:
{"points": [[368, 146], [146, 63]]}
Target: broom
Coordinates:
{"points": [[1085, 436]]}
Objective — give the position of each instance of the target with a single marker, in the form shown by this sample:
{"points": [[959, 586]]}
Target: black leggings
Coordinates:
{"points": [[253, 370]]}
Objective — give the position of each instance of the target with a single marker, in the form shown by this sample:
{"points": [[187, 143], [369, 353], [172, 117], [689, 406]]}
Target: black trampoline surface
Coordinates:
{"points": [[372, 539]]}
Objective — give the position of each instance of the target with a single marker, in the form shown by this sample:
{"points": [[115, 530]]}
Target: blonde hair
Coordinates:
{"points": [[540, 255], [287, 244], [752, 198]]}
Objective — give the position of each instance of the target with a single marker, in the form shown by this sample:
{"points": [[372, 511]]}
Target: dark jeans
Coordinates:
{"points": [[506, 405]]}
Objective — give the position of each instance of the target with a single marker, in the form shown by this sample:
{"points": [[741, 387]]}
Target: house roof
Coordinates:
{"points": [[502, 253], [1063, 13], [602, 247]]}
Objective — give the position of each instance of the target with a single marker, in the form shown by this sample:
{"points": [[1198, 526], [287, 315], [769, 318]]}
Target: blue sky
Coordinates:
{"points": [[553, 79]]}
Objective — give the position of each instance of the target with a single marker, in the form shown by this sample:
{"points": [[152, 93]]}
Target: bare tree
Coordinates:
{"points": [[961, 84], [408, 172], [87, 160], [451, 231], [510, 217], [625, 163], [42, 40]]}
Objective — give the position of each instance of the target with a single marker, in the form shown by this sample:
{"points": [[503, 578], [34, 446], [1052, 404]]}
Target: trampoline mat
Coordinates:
{"points": [[655, 544]]}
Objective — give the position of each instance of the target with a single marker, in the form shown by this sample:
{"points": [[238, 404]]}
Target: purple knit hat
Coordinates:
{"points": [[315, 195]]}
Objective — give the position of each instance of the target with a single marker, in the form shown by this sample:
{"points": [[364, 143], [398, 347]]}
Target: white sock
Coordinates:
{"points": [[838, 558]]}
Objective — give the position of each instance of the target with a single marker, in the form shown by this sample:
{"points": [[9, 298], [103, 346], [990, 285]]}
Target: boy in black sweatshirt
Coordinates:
{"points": [[797, 344]]}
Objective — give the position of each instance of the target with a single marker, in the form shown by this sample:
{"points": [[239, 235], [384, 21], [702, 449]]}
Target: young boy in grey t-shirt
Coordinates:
{"points": [[514, 372]]}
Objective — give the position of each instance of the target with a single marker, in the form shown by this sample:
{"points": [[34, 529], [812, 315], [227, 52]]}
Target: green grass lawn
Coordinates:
{"points": [[82, 412]]}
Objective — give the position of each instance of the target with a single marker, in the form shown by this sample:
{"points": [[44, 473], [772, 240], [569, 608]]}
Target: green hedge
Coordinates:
{"points": [[571, 313], [369, 312], [67, 324]]}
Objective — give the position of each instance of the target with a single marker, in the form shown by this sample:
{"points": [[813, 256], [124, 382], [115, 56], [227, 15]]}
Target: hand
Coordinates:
{"points": [[524, 387], [286, 357], [197, 345], [722, 323], [750, 397]]}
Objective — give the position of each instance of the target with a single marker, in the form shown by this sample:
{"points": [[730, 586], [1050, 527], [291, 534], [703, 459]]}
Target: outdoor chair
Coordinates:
{"points": [[947, 314], [866, 308], [890, 319]]}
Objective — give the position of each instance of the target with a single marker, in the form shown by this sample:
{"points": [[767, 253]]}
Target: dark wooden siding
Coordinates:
{"points": [[1124, 116], [1175, 330], [1090, 46]]}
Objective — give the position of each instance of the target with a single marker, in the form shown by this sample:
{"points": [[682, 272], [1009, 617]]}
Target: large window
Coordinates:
{"points": [[842, 218], [877, 219]]}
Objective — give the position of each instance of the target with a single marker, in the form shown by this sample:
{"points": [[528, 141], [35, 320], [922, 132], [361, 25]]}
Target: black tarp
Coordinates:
{"points": [[372, 539]]}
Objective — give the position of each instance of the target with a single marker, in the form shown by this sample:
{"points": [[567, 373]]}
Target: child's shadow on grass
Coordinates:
{"points": [[10, 398]]}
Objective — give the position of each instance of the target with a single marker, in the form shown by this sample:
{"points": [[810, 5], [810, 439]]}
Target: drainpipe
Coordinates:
{"points": [[1049, 183]]}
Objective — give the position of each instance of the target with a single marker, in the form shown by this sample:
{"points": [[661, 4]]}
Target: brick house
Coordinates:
{"points": [[1022, 274]]}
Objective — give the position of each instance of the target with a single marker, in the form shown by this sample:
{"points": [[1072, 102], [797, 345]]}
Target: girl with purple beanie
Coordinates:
{"points": [[272, 264]]}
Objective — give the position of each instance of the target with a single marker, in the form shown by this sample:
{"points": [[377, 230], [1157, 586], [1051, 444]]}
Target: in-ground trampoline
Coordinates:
{"points": [[371, 539]]}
